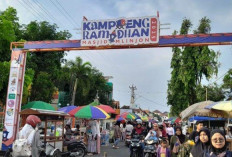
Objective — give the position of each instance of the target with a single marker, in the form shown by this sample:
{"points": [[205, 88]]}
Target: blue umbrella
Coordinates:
{"points": [[199, 118], [67, 108]]}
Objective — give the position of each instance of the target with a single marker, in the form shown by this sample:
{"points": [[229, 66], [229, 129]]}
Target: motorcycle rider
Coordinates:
{"points": [[138, 130]]}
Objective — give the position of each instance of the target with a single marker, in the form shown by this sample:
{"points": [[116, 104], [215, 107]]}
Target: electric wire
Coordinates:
{"points": [[37, 16], [29, 5], [45, 11], [72, 20], [50, 15], [152, 101], [61, 12]]}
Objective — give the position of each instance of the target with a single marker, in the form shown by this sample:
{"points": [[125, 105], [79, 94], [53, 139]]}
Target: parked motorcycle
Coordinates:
{"points": [[150, 148], [75, 149]]}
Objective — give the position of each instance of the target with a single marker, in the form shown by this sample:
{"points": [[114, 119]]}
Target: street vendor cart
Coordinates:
{"points": [[52, 125]]}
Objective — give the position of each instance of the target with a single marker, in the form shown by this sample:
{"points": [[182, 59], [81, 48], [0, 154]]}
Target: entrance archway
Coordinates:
{"points": [[142, 38]]}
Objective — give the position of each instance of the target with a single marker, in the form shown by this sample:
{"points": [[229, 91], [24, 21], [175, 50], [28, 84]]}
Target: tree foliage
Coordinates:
{"points": [[8, 27], [4, 77], [227, 84], [45, 65], [89, 82], [211, 92], [189, 66]]}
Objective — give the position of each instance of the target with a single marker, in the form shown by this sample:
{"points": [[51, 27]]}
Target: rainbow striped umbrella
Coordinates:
{"points": [[144, 118], [91, 112], [120, 118], [67, 109], [127, 115], [136, 116], [75, 110]]}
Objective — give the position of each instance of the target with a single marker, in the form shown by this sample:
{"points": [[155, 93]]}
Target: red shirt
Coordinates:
{"points": [[164, 134], [139, 130]]}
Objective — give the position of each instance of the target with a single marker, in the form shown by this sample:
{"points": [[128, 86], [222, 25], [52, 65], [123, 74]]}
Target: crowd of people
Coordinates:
{"points": [[172, 141]]}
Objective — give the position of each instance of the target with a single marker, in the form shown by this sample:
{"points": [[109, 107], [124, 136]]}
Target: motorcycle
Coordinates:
{"points": [[75, 149], [128, 138], [150, 148], [135, 147]]}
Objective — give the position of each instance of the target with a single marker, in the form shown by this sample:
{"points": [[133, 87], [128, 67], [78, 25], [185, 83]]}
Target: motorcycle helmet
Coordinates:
{"points": [[139, 121], [33, 120]]}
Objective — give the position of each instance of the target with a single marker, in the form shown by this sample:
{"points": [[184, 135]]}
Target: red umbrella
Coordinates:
{"points": [[178, 120], [120, 118], [106, 108], [74, 111]]}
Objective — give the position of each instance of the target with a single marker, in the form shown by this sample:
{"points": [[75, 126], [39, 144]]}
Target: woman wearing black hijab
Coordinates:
{"points": [[202, 147], [218, 144], [177, 140]]}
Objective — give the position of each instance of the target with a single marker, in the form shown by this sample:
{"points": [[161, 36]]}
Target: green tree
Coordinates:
{"points": [[46, 88], [42, 63], [80, 77], [158, 117], [214, 93], [8, 23], [227, 84], [99, 86], [4, 77], [28, 79], [190, 65]]}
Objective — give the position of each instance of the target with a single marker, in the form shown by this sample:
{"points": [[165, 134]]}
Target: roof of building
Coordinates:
{"points": [[147, 111], [125, 107], [157, 111]]}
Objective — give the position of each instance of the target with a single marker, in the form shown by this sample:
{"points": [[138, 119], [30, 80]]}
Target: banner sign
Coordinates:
{"points": [[14, 97], [123, 31]]}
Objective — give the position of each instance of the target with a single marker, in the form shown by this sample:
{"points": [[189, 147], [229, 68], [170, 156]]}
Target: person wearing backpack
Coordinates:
{"points": [[176, 141], [28, 142]]}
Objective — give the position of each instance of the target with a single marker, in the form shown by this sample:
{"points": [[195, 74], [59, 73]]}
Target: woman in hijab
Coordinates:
{"points": [[218, 144], [202, 146], [176, 141]]}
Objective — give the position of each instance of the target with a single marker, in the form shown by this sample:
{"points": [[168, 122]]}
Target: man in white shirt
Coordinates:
{"points": [[129, 127]]}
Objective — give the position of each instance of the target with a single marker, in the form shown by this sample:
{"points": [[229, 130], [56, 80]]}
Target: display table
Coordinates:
{"points": [[229, 144]]}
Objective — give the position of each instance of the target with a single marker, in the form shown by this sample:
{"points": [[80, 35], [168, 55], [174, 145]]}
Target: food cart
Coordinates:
{"points": [[52, 125]]}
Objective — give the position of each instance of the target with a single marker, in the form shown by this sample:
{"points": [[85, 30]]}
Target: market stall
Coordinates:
{"points": [[52, 125]]}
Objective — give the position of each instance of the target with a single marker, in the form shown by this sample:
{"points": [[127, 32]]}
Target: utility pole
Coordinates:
{"points": [[132, 88], [206, 94]]}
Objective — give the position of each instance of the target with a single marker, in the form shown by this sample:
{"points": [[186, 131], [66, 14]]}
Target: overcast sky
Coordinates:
{"points": [[147, 69]]}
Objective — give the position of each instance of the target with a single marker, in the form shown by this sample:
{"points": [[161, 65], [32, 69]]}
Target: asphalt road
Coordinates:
{"points": [[123, 151]]}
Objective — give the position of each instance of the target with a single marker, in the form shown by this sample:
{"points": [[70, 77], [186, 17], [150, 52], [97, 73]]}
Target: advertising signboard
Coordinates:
{"points": [[13, 101], [122, 31]]}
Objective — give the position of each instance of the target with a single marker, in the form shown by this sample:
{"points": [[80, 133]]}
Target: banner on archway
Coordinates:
{"points": [[14, 97], [122, 31]]}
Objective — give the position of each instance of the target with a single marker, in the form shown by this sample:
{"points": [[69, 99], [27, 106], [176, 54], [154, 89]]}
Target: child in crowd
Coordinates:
{"points": [[163, 151], [153, 136]]}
